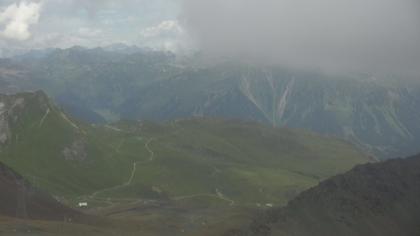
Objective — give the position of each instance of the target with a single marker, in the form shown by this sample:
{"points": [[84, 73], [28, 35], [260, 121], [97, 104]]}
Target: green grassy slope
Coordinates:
{"points": [[54, 152], [243, 162], [228, 162]]}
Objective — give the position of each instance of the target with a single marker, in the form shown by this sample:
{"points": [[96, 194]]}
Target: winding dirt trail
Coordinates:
{"points": [[218, 194], [133, 170], [151, 158]]}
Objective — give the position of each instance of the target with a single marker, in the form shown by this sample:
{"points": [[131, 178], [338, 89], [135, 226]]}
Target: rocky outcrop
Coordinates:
{"points": [[380, 199], [8, 107]]}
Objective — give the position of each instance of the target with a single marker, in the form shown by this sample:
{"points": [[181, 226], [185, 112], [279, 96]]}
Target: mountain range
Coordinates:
{"points": [[378, 114]]}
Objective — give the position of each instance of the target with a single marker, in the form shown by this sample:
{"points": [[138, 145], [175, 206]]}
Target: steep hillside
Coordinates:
{"points": [[230, 162], [373, 199], [51, 150], [377, 115], [27, 210], [19, 199]]}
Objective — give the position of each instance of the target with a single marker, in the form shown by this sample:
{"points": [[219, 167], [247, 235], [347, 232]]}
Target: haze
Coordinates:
{"points": [[356, 35]]}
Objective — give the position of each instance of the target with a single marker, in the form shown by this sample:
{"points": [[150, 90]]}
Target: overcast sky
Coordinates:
{"points": [[351, 35]]}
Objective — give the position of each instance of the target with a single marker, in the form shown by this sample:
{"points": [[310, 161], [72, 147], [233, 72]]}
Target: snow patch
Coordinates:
{"points": [[246, 90], [283, 100]]}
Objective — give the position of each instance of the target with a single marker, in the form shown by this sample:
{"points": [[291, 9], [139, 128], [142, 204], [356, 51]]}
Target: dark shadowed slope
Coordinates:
{"points": [[19, 199], [372, 199]]}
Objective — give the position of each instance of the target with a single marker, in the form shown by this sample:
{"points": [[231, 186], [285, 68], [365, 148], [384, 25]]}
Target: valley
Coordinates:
{"points": [[150, 171], [378, 114], [209, 118]]}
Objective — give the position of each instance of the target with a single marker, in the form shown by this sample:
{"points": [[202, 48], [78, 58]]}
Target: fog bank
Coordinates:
{"points": [[378, 36]]}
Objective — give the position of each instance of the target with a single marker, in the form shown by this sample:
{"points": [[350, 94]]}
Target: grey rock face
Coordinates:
{"points": [[9, 109], [4, 124]]}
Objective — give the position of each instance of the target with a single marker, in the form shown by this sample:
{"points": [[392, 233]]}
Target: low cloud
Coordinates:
{"points": [[167, 35], [165, 28], [379, 36], [17, 18]]}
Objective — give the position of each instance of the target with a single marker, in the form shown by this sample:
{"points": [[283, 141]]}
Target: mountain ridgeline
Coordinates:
{"points": [[378, 114], [372, 199]]}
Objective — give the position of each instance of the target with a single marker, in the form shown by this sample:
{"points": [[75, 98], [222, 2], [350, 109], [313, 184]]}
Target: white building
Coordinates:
{"points": [[83, 204]]}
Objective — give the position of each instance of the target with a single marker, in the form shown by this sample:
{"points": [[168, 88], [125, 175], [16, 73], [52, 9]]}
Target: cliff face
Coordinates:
{"points": [[372, 199], [17, 197], [6, 110]]}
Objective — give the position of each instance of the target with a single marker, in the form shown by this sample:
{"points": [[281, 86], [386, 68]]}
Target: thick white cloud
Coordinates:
{"points": [[169, 27], [17, 19], [167, 35]]}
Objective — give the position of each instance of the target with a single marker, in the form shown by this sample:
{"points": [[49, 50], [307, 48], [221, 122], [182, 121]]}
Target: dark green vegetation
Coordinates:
{"points": [[372, 199], [378, 114], [192, 170]]}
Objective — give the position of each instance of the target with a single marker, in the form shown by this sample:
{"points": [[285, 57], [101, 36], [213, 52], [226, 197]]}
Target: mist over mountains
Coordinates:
{"points": [[373, 36], [246, 170], [379, 114], [209, 117]]}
